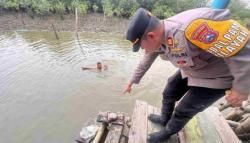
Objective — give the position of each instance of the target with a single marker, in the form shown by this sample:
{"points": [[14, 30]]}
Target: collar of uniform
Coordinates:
{"points": [[170, 28]]}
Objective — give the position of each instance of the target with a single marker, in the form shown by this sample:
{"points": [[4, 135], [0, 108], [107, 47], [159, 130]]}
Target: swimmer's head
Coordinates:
{"points": [[99, 65]]}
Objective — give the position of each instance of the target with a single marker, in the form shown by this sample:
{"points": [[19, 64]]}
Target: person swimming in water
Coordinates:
{"points": [[99, 66]]}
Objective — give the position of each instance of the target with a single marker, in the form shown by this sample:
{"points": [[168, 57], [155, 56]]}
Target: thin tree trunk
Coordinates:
{"points": [[76, 29], [76, 24], [55, 31]]}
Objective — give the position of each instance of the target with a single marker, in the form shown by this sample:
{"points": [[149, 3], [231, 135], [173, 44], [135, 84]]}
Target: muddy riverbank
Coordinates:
{"points": [[90, 22]]}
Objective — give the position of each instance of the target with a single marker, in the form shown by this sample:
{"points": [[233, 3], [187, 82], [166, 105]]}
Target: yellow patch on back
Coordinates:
{"points": [[220, 38]]}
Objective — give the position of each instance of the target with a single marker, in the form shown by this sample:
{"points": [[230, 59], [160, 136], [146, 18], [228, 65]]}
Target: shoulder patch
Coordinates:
{"points": [[220, 38]]}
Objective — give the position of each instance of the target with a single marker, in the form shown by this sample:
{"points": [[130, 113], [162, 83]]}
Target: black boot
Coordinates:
{"points": [[158, 119], [158, 137]]}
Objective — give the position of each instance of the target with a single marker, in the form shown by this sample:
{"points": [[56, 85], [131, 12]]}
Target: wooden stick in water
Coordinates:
{"points": [[55, 31]]}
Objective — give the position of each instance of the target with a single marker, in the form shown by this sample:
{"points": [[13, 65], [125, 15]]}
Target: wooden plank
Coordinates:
{"points": [[125, 132], [201, 130], [114, 134], [138, 130], [206, 127], [100, 133], [226, 133]]}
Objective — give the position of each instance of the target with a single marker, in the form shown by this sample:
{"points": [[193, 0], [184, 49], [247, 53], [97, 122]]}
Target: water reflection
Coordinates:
{"points": [[46, 97]]}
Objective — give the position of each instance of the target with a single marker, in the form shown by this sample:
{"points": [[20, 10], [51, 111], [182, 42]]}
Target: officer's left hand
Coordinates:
{"points": [[235, 98]]}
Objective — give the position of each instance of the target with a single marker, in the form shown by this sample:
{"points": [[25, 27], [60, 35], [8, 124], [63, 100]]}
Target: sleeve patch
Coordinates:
{"points": [[220, 38]]}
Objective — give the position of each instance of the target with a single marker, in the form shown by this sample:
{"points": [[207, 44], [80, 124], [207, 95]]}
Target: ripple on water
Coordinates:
{"points": [[41, 82]]}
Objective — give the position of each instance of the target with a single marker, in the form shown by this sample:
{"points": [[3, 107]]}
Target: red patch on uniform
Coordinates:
{"points": [[170, 41], [181, 62], [205, 34]]}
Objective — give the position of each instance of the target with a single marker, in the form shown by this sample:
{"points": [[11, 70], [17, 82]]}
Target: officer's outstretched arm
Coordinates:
{"points": [[141, 69]]}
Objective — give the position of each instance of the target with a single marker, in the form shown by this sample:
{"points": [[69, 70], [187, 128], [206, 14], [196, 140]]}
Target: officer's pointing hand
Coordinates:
{"points": [[235, 98], [128, 88]]}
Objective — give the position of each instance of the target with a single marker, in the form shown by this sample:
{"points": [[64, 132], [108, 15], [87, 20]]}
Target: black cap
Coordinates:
{"points": [[137, 27]]}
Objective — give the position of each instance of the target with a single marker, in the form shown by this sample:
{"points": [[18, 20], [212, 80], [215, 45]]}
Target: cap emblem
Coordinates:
{"points": [[149, 14], [135, 41]]}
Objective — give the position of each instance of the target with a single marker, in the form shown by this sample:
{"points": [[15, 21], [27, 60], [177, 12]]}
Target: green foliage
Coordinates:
{"points": [[95, 8], [2, 3], [162, 10], [108, 9], [147, 4], [11, 4], [239, 11], [26, 4], [57, 7], [95, 5], [41, 7], [126, 8], [188, 4], [121, 8], [82, 6]]}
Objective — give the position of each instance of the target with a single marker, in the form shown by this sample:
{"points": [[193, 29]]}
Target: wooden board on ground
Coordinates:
{"points": [[141, 127], [114, 134], [138, 130], [206, 127]]}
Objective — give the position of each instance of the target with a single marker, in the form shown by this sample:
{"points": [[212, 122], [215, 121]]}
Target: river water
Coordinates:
{"points": [[45, 97]]}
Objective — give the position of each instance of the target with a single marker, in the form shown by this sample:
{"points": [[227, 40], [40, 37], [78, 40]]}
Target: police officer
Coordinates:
{"points": [[212, 52]]}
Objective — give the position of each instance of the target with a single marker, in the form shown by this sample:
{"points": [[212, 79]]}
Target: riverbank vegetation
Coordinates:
{"points": [[114, 8]]}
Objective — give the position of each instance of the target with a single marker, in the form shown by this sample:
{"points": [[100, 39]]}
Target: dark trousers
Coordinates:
{"points": [[191, 101]]}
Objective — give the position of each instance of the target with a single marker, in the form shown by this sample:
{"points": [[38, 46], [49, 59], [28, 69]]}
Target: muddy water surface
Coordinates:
{"points": [[45, 97]]}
